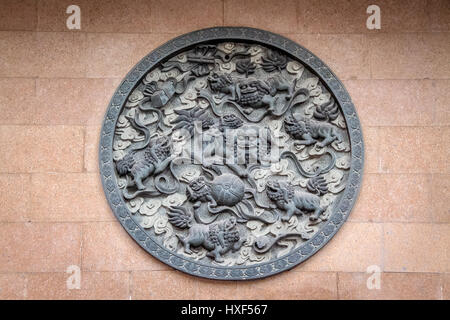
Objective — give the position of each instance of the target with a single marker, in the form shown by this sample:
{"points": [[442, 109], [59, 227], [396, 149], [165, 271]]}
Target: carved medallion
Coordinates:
{"points": [[231, 153]]}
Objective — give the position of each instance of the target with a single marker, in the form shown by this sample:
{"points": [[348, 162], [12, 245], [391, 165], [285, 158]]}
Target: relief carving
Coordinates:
{"points": [[231, 154]]}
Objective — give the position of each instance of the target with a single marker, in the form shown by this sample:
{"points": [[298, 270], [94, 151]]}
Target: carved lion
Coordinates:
{"points": [[293, 201]]}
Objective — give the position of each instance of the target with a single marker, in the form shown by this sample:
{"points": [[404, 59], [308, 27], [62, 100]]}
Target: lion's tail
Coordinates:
{"points": [[180, 217]]}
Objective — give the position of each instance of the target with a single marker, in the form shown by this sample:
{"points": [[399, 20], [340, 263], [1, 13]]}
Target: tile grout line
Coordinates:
{"points": [[223, 12], [343, 79], [337, 286], [83, 126], [25, 286], [383, 247], [365, 33], [83, 165], [237, 281], [130, 285], [81, 244]]}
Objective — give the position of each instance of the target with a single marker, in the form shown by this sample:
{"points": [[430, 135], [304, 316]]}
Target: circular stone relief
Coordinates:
{"points": [[231, 153]]}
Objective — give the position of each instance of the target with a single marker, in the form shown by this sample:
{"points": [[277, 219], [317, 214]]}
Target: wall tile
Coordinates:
{"points": [[15, 203], [275, 16], [346, 55], [68, 197], [350, 16], [405, 197], [409, 56], [181, 16], [355, 247], [113, 55], [416, 247], [371, 138], [93, 286], [163, 285], [39, 247], [97, 16], [61, 55], [414, 150], [41, 149], [18, 58], [12, 286], [393, 286], [393, 102], [440, 90], [439, 15], [440, 198], [73, 101], [18, 15], [17, 100], [108, 247], [91, 146], [290, 285]]}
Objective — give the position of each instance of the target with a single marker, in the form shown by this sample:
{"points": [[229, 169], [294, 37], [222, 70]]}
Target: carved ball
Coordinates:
{"points": [[227, 190]]}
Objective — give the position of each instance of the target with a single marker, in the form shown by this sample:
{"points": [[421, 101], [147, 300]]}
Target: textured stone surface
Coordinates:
{"points": [[398, 102], [361, 243], [107, 247], [371, 149], [440, 198], [288, 285], [93, 285], [41, 148], [25, 17], [96, 16], [72, 101], [91, 143], [18, 58], [180, 16], [13, 286], [68, 197], [327, 16], [349, 16], [61, 54], [439, 15], [406, 197], [17, 100], [39, 247], [163, 285], [417, 247], [445, 278], [216, 290], [113, 55], [15, 191], [291, 285], [347, 56], [275, 16], [440, 90], [429, 154], [391, 58], [396, 286]]}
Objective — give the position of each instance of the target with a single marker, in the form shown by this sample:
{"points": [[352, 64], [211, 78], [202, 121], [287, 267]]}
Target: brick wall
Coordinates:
{"points": [[55, 85]]}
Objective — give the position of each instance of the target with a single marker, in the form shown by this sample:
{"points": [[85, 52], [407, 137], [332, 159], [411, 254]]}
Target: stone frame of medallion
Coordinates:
{"points": [[341, 207]]}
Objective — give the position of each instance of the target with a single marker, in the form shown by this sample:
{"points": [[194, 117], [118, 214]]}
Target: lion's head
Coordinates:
{"points": [[251, 91], [219, 81], [274, 190]]}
